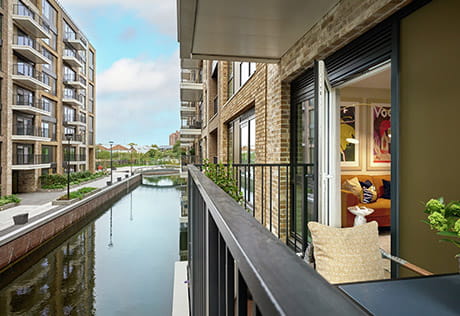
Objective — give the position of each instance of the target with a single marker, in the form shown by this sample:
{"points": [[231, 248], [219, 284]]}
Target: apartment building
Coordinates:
{"points": [[47, 94], [326, 91]]}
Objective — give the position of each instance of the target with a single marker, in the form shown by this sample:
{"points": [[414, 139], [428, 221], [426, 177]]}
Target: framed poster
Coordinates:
{"points": [[349, 137], [380, 142]]}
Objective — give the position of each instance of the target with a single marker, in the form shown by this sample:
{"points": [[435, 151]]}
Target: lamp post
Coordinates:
{"points": [[111, 163], [132, 148], [69, 138]]}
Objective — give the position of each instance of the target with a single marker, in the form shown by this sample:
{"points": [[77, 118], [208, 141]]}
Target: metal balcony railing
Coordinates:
{"points": [[32, 102], [191, 76], [74, 78], [28, 71], [69, 52], [27, 41], [74, 96], [73, 157], [74, 138], [235, 264], [191, 125], [28, 130], [30, 159], [72, 36], [22, 10]]}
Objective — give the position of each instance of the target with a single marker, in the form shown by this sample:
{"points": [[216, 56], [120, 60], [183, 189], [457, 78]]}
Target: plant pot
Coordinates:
{"points": [[109, 183], [126, 175], [21, 219]]}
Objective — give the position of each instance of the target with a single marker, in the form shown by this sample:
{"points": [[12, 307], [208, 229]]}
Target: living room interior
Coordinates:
{"points": [[365, 138]]}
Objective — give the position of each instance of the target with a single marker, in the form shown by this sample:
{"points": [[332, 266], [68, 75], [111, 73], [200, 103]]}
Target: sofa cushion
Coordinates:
{"points": [[369, 195], [347, 254], [386, 189], [353, 186], [378, 182]]}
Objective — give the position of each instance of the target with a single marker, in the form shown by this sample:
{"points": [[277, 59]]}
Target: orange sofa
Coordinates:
{"points": [[382, 207]]}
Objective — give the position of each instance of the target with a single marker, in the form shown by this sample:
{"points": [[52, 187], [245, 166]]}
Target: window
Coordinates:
{"points": [[24, 97], [46, 130], [69, 74], [91, 98], [49, 105], [246, 71], [231, 84], [91, 66], [69, 33], [47, 154], [49, 14], [51, 67], [91, 123], [69, 114], [47, 79], [51, 42]]}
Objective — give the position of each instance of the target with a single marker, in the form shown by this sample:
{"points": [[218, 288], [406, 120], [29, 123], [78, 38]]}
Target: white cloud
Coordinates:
{"points": [[138, 100], [161, 13]]}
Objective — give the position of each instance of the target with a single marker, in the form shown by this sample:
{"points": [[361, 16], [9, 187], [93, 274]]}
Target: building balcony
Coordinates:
{"points": [[31, 133], [192, 128], [75, 140], [73, 99], [75, 121], [191, 86], [74, 160], [30, 161], [30, 49], [30, 106], [75, 40], [72, 58], [187, 109], [32, 23], [187, 63], [29, 77], [77, 81]]}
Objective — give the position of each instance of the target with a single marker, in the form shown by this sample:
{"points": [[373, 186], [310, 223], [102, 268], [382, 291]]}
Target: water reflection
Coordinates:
{"points": [[113, 266], [62, 283]]}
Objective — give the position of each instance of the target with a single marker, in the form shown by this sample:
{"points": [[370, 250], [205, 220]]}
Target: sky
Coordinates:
{"points": [[137, 67]]}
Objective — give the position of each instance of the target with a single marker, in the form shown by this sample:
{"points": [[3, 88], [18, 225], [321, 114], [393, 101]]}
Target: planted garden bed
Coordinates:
{"points": [[9, 201], [57, 182], [75, 196]]}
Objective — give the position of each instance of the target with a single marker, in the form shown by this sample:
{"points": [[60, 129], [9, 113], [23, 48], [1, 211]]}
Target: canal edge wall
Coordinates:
{"points": [[26, 238]]}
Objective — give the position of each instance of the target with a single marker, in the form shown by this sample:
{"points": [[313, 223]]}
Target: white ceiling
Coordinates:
{"points": [[245, 30], [379, 80]]}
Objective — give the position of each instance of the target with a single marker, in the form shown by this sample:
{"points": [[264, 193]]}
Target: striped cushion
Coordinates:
{"points": [[369, 194]]}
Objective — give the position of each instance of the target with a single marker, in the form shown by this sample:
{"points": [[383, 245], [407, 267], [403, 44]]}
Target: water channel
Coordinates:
{"points": [[122, 263]]}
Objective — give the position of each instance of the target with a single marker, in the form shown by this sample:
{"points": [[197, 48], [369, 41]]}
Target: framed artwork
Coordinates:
{"points": [[380, 142], [349, 136]]}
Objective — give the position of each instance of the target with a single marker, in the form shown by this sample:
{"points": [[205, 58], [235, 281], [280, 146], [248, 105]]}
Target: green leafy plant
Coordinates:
{"points": [[79, 194], [59, 181], [445, 219], [224, 177], [9, 199]]}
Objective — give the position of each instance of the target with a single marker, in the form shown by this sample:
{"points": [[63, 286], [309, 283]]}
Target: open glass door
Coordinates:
{"points": [[328, 153]]}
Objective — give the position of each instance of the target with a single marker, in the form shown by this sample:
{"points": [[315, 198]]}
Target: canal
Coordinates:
{"points": [[122, 263]]}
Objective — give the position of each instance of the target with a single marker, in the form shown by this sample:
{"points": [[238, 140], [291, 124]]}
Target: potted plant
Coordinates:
{"points": [[445, 218]]}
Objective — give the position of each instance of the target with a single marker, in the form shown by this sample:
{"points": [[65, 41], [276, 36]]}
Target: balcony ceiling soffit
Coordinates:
{"points": [[258, 30]]}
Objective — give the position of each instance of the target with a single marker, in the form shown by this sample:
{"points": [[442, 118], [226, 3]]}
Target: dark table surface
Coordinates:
{"points": [[435, 295]]}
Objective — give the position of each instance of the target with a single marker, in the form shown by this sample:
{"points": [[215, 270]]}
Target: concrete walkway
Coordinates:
{"points": [[37, 203]]}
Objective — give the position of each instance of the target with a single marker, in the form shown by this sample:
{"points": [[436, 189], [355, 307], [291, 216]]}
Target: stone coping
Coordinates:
{"points": [[9, 205], [31, 225]]}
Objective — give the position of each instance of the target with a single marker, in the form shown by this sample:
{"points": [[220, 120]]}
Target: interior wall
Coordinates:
{"points": [[429, 137]]}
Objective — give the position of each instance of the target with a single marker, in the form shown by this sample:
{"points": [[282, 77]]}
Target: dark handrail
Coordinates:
{"points": [[29, 71], [31, 159], [29, 130], [32, 102], [223, 236]]}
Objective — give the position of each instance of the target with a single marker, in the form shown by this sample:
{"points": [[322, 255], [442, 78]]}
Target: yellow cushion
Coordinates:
{"points": [[347, 254], [354, 187]]}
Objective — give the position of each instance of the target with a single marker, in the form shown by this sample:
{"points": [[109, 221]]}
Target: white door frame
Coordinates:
{"points": [[329, 212]]}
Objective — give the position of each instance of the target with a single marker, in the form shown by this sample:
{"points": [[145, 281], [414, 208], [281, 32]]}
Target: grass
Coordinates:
{"points": [[79, 194], [9, 199]]}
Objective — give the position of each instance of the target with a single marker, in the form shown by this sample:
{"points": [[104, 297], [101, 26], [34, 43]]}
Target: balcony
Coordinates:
{"points": [[32, 23], [72, 58], [29, 77], [75, 40], [77, 81], [75, 120], [30, 106], [187, 109], [74, 159], [30, 49], [235, 264], [75, 140], [191, 86], [30, 161], [31, 133], [190, 128], [73, 99]]}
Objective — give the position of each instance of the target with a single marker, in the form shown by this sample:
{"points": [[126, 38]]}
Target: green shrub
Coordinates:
{"points": [[79, 194], [223, 176], [59, 181], [9, 199]]}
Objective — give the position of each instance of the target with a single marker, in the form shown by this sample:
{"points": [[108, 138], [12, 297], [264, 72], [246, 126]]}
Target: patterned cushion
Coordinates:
{"points": [[353, 186], [347, 254], [369, 194]]}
